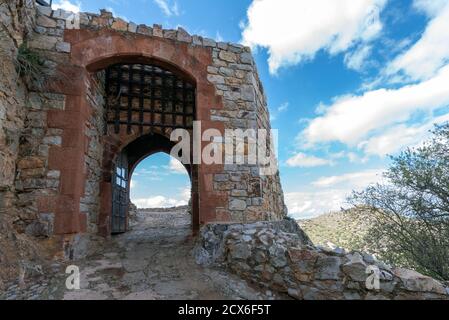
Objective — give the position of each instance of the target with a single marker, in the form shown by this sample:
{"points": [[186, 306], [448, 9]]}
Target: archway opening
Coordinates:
{"points": [[160, 192], [144, 103]]}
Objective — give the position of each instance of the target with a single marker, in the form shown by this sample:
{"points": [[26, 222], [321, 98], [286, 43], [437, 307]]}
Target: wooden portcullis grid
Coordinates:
{"points": [[146, 97]]}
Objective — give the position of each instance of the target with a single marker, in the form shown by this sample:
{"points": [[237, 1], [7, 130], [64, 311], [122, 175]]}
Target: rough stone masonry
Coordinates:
{"points": [[57, 151], [57, 156]]}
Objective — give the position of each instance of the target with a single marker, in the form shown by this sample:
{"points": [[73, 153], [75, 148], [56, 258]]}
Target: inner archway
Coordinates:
{"points": [[159, 186], [144, 103]]}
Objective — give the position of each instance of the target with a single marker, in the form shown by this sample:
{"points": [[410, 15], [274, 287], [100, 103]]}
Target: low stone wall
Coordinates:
{"points": [[279, 256]]}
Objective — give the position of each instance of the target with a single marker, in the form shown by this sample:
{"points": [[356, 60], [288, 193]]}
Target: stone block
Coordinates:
{"points": [[132, 27], [414, 281], [45, 21], [328, 268], [44, 10], [143, 29], [43, 42], [237, 204], [120, 25], [63, 47], [30, 163], [355, 268], [209, 43], [240, 251], [227, 56], [183, 35]]}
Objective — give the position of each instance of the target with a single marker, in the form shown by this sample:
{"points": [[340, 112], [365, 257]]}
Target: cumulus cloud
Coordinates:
{"points": [[330, 193], [280, 109], [305, 205], [295, 30], [356, 60], [175, 166], [430, 7], [351, 118], [400, 136], [431, 51], [158, 202], [302, 160], [353, 180], [161, 201], [67, 6], [169, 9]]}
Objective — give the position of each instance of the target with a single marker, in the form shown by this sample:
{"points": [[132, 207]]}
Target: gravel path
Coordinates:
{"points": [[154, 261]]}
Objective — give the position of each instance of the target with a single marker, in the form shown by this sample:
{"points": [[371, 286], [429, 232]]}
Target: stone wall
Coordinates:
{"points": [[95, 129], [279, 256], [252, 196], [21, 255], [13, 94]]}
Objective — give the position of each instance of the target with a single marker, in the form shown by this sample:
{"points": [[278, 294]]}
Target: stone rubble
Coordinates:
{"points": [[281, 258]]}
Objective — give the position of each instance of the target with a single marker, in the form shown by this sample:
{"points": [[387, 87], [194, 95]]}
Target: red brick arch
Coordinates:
{"points": [[95, 50]]}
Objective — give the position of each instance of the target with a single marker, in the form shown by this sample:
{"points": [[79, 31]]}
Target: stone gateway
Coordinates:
{"points": [[110, 93], [113, 94]]}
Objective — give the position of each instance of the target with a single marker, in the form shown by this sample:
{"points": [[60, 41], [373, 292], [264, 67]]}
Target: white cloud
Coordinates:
{"points": [[400, 136], [353, 180], [175, 166], [355, 158], [307, 161], [356, 60], [67, 6], [218, 37], [295, 30], [167, 8], [430, 7], [351, 118], [161, 201], [304, 205], [430, 52], [158, 202], [282, 108], [186, 193], [330, 193]]}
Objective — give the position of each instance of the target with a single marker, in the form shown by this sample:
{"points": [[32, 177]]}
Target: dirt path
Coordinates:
{"points": [[154, 261]]}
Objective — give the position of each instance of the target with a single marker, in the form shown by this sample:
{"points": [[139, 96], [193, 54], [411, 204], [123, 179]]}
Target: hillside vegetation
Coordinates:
{"points": [[345, 229], [405, 219]]}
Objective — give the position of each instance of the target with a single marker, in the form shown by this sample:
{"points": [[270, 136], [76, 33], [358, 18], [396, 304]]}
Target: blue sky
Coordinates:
{"points": [[348, 83]]}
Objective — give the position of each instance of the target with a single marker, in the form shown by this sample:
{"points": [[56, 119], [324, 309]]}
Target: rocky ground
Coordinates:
{"points": [[152, 261]]}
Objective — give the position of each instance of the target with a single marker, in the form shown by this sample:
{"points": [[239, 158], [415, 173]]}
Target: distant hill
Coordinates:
{"points": [[345, 229]]}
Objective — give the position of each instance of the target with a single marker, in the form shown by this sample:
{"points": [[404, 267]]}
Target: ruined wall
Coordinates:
{"points": [[281, 258], [21, 255]]}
